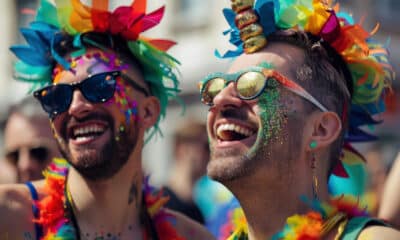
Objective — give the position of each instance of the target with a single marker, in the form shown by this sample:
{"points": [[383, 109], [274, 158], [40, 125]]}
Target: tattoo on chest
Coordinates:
{"points": [[104, 235]]}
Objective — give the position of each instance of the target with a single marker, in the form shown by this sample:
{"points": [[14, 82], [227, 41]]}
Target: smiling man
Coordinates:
{"points": [[281, 121], [104, 87]]}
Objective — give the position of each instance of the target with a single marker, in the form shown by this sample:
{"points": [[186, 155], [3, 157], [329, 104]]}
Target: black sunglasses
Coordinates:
{"points": [[40, 153], [98, 88]]}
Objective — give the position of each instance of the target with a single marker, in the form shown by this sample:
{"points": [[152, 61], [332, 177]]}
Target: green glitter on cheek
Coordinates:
{"points": [[271, 118]]}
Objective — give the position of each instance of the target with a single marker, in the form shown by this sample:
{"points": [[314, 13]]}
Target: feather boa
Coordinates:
{"points": [[57, 226], [298, 227]]}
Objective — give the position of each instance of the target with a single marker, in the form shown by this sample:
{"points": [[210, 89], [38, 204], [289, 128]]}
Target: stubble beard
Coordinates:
{"points": [[232, 164], [104, 163]]}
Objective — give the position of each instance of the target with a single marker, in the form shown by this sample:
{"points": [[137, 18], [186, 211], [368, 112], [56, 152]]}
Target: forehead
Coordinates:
{"points": [[21, 130], [97, 61], [284, 57]]}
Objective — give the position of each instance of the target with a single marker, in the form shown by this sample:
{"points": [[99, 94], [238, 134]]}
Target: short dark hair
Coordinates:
{"points": [[325, 75]]}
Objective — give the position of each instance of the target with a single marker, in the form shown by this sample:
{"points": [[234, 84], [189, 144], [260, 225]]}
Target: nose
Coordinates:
{"points": [[79, 104], [227, 97]]}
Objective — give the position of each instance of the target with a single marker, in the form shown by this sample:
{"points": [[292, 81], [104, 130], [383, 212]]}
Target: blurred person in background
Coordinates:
{"points": [[389, 208], [29, 144], [7, 172], [191, 154]]}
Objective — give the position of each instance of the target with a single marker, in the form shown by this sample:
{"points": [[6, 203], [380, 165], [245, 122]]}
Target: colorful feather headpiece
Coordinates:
{"points": [[38, 58], [251, 22]]}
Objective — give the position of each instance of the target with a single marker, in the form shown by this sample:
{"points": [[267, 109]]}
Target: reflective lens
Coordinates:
{"points": [[98, 88], [250, 84], [57, 98], [211, 89]]}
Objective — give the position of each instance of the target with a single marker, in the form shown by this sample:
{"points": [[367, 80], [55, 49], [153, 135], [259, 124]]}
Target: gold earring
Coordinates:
{"points": [[314, 177]]}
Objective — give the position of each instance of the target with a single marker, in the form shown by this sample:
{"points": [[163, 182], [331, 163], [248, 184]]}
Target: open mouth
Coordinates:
{"points": [[233, 132], [87, 132]]}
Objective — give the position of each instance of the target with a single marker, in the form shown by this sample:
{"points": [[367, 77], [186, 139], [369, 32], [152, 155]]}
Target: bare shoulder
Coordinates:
{"points": [[379, 232], [16, 212], [188, 228]]}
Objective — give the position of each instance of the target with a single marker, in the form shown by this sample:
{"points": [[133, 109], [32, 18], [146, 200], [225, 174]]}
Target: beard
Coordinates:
{"points": [[233, 164], [275, 152], [228, 165], [100, 164]]}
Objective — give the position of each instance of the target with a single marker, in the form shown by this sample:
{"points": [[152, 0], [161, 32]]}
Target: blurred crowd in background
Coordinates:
{"points": [[27, 144]]}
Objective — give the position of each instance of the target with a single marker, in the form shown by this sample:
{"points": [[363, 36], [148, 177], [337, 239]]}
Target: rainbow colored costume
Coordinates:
{"points": [[55, 219], [251, 22]]}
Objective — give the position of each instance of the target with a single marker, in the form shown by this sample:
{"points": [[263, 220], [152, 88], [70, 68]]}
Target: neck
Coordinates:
{"points": [[267, 204], [110, 206]]}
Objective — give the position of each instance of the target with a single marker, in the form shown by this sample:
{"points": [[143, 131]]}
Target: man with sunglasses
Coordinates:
{"points": [[104, 86], [281, 120], [29, 144]]}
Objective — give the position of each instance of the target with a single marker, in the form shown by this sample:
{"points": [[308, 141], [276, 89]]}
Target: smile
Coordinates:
{"points": [[85, 133], [233, 132]]}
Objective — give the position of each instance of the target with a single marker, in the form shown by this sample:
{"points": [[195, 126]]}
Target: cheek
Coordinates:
{"points": [[56, 125], [271, 113], [210, 121], [126, 105], [56, 130]]}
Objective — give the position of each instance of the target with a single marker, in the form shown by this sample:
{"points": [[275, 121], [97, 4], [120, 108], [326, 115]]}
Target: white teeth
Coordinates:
{"points": [[82, 139], [87, 130], [236, 128]]}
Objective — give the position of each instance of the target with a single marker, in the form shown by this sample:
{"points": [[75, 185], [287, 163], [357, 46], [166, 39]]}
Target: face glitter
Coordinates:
{"points": [[270, 115]]}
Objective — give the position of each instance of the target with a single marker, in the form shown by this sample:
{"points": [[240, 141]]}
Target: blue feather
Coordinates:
{"points": [[35, 41], [265, 11], [230, 15], [30, 55]]}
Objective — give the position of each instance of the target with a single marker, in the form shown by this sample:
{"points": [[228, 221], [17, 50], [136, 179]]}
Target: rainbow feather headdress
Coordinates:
{"points": [[251, 22], [38, 58]]}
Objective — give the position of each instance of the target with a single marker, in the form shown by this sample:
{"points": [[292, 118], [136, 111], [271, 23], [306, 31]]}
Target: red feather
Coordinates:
{"points": [[162, 44], [152, 19]]}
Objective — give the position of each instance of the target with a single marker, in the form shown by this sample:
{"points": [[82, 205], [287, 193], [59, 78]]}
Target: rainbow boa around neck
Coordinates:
{"points": [[310, 226], [57, 226]]}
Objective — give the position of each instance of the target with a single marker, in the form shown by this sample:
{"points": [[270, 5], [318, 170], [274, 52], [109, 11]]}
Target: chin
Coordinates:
{"points": [[229, 165]]}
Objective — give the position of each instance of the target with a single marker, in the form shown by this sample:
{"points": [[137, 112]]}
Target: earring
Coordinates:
{"points": [[313, 144], [314, 177], [313, 166]]}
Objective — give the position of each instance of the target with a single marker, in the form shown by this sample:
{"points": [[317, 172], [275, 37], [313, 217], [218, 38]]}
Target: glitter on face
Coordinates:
{"points": [[270, 115], [126, 104]]}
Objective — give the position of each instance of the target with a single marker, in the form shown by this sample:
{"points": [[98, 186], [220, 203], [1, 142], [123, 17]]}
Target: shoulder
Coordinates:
{"points": [[188, 228], [16, 211], [379, 232]]}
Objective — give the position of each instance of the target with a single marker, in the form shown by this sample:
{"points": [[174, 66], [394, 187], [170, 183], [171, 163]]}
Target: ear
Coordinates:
{"points": [[150, 111], [326, 129]]}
